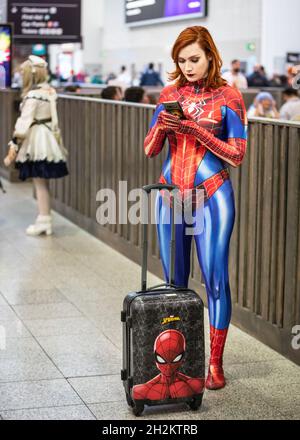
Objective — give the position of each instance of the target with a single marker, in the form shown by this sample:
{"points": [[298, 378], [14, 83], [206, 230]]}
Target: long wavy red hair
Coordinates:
{"points": [[200, 35]]}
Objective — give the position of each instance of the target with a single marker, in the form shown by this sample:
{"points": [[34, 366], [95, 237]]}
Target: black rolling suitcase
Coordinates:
{"points": [[163, 340]]}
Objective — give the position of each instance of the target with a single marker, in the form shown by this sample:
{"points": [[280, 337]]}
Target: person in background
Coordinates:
{"points": [[110, 77], [124, 77], [234, 77], [75, 88], [80, 77], [136, 94], [264, 106], [258, 78], [292, 72], [153, 99], [151, 78], [112, 93], [37, 148], [96, 77], [17, 79], [290, 111], [72, 77]]}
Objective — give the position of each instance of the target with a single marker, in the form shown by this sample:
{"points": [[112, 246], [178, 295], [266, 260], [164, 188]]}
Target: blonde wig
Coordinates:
{"points": [[32, 75]]}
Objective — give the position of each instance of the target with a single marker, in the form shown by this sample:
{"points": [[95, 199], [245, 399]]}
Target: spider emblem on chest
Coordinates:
{"points": [[194, 108]]}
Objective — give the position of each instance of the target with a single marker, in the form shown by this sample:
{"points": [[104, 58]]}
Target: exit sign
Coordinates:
{"points": [[251, 47]]}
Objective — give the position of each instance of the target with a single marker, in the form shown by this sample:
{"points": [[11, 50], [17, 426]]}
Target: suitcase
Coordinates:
{"points": [[163, 339]]}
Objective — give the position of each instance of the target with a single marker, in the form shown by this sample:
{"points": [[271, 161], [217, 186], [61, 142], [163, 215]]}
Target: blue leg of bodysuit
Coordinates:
{"points": [[212, 250], [183, 244]]}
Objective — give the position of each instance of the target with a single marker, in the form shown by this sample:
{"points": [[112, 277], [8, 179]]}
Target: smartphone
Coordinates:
{"points": [[174, 107]]}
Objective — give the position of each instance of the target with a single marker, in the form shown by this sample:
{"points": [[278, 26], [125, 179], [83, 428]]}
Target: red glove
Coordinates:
{"points": [[168, 122]]}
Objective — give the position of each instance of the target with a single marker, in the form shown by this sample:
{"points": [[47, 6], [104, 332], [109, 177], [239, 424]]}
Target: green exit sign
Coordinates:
{"points": [[251, 47]]}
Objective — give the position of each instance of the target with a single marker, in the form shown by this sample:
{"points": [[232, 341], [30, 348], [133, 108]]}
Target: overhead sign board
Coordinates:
{"points": [[143, 12], [45, 21]]}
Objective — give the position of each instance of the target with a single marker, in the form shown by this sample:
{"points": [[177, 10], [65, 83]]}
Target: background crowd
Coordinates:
{"points": [[124, 86]]}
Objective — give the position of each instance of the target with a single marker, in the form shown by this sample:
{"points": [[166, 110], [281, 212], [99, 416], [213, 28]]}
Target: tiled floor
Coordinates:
{"points": [[60, 333]]}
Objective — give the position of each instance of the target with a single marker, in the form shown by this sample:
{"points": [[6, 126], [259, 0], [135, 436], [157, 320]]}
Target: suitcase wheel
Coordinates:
{"points": [[138, 409], [129, 400], [196, 403]]}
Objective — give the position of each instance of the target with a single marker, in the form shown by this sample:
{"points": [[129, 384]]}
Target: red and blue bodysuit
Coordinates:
{"points": [[213, 136]]}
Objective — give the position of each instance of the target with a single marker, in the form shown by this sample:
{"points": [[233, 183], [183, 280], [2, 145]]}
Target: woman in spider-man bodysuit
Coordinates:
{"points": [[212, 136]]}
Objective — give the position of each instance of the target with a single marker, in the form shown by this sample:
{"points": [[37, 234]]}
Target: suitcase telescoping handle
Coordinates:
{"points": [[148, 189]]}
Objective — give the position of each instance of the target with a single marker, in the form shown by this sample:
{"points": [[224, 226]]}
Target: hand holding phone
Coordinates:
{"points": [[174, 107]]}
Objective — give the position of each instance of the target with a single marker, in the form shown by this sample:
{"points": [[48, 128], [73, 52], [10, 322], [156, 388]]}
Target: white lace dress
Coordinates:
{"points": [[42, 153]]}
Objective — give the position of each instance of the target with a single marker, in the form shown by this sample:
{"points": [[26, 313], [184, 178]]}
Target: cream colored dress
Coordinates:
{"points": [[42, 153]]}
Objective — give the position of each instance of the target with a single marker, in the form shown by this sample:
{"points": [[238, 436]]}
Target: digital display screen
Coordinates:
{"points": [[5, 55], [141, 12], [44, 21]]}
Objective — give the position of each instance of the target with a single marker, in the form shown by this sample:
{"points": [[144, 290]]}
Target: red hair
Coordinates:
{"points": [[200, 35]]}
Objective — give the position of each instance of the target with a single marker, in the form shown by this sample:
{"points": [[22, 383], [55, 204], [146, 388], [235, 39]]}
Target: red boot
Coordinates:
{"points": [[215, 378]]}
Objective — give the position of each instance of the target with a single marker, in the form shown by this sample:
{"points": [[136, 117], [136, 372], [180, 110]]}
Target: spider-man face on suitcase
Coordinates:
{"points": [[169, 352]]}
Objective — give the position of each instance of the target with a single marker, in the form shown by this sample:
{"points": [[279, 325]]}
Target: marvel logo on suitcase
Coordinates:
{"points": [[163, 341]]}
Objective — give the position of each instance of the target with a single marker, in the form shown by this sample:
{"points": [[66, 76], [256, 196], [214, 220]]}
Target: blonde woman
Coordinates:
{"points": [[37, 147]]}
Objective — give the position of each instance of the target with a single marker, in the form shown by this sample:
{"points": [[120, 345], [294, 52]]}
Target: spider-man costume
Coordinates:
{"points": [[213, 135], [169, 350]]}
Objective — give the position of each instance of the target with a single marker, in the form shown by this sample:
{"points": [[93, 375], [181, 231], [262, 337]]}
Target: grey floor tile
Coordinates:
{"points": [[75, 412], [51, 256], [114, 336], [20, 283], [282, 396], [82, 343], [47, 311], [87, 364], [23, 359], [19, 348], [8, 272], [103, 292], [102, 308], [126, 280], [13, 329], [82, 355], [37, 367], [35, 296], [81, 243], [78, 296], [108, 322], [74, 282], [45, 393], [62, 272], [7, 314], [60, 327], [99, 389], [245, 349], [292, 416], [237, 401], [267, 373]]}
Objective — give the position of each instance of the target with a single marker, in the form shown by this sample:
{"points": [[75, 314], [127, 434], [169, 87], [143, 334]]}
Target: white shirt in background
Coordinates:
{"points": [[290, 111], [125, 78], [238, 79]]}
